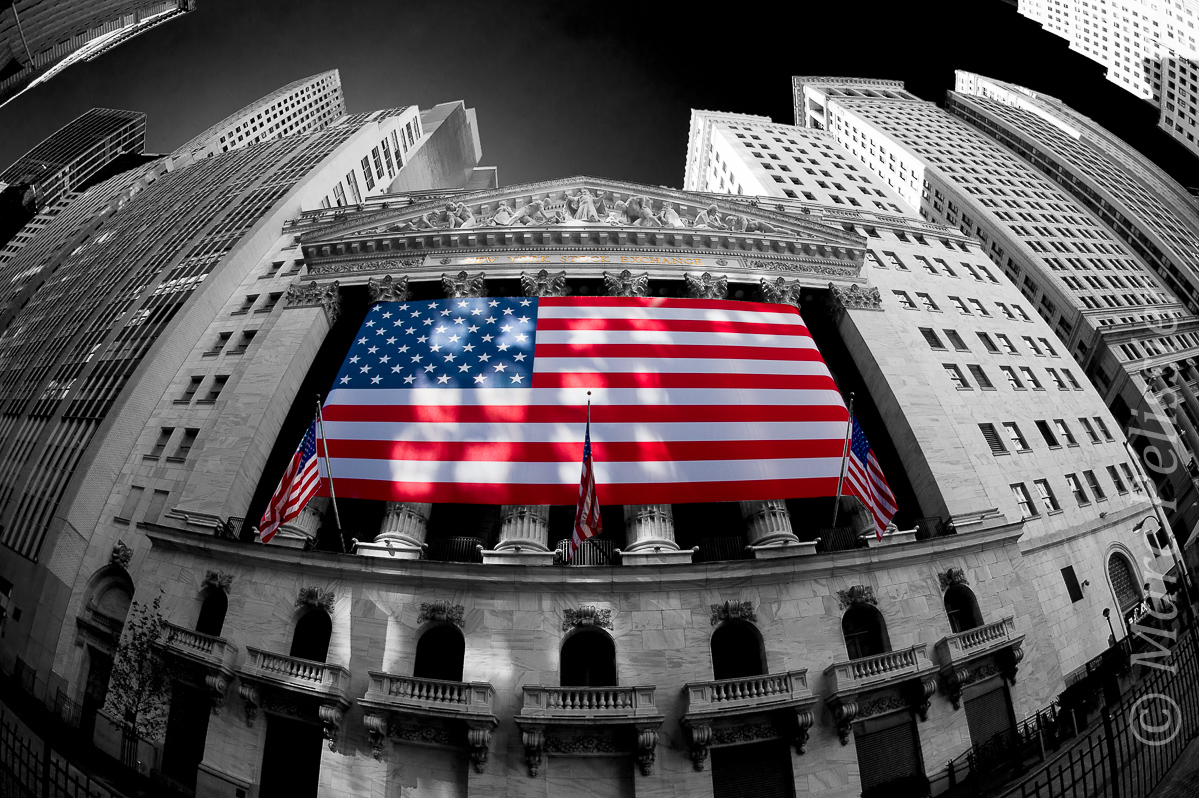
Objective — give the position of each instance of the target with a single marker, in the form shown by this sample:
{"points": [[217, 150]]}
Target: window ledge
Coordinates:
{"points": [[264, 310], [123, 521], [988, 387], [1055, 512], [153, 457], [1002, 454], [182, 402], [964, 388], [176, 459], [239, 313], [206, 401], [210, 354]]}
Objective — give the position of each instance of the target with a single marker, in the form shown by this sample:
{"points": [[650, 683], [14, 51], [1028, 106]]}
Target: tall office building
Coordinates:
{"points": [[40, 38], [378, 645], [1148, 48], [1104, 301]]}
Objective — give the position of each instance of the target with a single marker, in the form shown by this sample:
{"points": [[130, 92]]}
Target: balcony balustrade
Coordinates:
{"points": [[394, 697], [976, 654], [591, 552], [589, 706], [907, 669], [326, 684], [214, 655], [710, 703]]}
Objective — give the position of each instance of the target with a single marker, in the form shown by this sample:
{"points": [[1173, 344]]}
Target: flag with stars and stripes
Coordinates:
{"points": [[299, 484], [866, 481], [482, 400], [588, 521]]}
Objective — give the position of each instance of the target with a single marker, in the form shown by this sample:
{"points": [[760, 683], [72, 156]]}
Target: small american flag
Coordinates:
{"points": [[588, 522], [299, 484], [866, 480]]}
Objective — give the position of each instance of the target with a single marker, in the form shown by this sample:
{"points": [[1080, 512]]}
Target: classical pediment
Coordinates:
{"points": [[576, 203]]}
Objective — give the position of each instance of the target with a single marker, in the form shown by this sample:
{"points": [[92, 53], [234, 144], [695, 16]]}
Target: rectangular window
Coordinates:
{"points": [[1007, 344], [1072, 586], [905, 301], [186, 444], [246, 337], [1032, 379], [247, 303], [1047, 434], [928, 302], [1013, 435], [1080, 495], [164, 437], [221, 340], [956, 340], [1093, 484], [1107, 436], [1128, 475], [992, 437], [1032, 344], [981, 377], [960, 305], [978, 306], [158, 503], [1006, 311], [988, 344], [931, 337], [271, 301], [339, 196], [129, 507], [218, 384], [1020, 312], [1119, 483], [387, 158], [928, 267], [378, 162], [352, 182], [1048, 348], [1070, 378], [894, 260], [1089, 430], [366, 172], [193, 385], [274, 268], [1064, 431], [1057, 380], [955, 375], [1027, 508], [1048, 500], [1012, 379]]}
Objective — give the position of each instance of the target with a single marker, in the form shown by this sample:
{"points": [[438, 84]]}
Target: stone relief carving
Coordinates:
{"points": [[217, 685], [316, 597], [780, 292], [389, 289], [827, 269], [580, 744], [463, 285], [587, 615], [376, 729], [627, 284], [364, 266], [879, 706], [478, 737], [429, 735], [744, 733], [249, 695], [951, 577], [331, 717], [647, 744], [858, 594], [218, 579], [543, 283], [534, 741], [441, 611], [706, 286], [855, 297], [121, 555], [314, 294], [733, 610]]}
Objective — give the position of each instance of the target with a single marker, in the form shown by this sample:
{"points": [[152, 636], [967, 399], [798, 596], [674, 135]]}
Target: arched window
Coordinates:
{"points": [[737, 651], [864, 630], [112, 600], [588, 660], [440, 653], [212, 612], [311, 638], [962, 608], [1124, 582]]}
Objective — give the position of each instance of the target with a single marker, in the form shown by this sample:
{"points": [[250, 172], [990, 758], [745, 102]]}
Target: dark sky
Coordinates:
{"points": [[564, 89]]}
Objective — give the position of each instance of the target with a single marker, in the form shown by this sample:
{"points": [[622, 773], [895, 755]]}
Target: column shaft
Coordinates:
{"points": [[525, 526]]}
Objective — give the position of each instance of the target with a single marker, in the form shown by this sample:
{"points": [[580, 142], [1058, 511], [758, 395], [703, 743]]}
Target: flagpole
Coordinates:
{"points": [[570, 550], [844, 457], [336, 516]]}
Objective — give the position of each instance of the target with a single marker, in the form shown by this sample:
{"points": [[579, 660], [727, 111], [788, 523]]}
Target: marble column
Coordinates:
{"points": [[649, 535], [1181, 382], [768, 530], [402, 534], [298, 532], [1182, 422]]}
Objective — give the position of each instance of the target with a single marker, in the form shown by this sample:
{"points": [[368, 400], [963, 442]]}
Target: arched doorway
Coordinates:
{"points": [[104, 618], [311, 638], [1125, 585], [212, 612], [440, 653], [737, 651], [865, 632], [962, 608], [588, 659]]}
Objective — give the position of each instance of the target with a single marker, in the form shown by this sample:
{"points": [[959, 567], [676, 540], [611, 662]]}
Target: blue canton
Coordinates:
{"points": [[858, 443], [308, 445], [446, 343]]}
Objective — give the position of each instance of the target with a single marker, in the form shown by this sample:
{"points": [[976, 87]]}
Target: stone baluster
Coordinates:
{"points": [[402, 534]]}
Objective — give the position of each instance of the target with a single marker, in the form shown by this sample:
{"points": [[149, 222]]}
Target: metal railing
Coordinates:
{"points": [[457, 549], [933, 527], [594, 551], [842, 538], [731, 547]]}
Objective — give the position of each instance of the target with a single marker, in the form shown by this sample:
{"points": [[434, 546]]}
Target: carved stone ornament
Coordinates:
{"points": [[744, 733], [627, 284], [249, 695], [858, 594], [647, 745], [121, 555], [807, 267], [951, 577], [441, 611], [543, 283], [854, 297], [844, 711], [331, 716], [880, 706], [534, 742], [389, 289], [316, 597], [780, 292], [700, 739], [376, 729], [217, 685], [587, 615], [478, 737], [956, 680], [349, 267], [919, 694], [427, 735], [314, 294], [463, 285], [706, 286], [580, 744], [733, 610], [219, 580]]}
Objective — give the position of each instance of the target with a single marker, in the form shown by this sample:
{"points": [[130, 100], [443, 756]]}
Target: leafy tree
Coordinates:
{"points": [[139, 689]]}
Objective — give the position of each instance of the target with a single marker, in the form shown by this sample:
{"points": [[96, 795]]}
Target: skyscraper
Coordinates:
{"points": [[40, 38], [1148, 49], [1105, 302]]}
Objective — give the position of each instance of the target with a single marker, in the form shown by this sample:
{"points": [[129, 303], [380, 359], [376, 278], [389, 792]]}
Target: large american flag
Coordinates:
{"points": [[299, 484], [866, 481], [483, 401]]}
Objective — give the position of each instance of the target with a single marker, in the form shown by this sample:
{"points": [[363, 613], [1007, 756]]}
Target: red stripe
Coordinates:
{"points": [[600, 414], [619, 452], [677, 351], [674, 325], [795, 382], [662, 302], [568, 493]]}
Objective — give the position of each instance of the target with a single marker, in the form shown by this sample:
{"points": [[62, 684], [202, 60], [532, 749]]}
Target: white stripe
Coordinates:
{"points": [[567, 473], [637, 365], [672, 314], [569, 433], [578, 396], [674, 338]]}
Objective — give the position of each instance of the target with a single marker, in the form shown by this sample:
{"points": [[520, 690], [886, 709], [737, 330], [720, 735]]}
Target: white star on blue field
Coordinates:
{"points": [[446, 343]]}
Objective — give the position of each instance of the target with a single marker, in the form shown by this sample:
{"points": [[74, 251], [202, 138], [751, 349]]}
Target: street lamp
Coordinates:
{"points": [[1107, 616]]}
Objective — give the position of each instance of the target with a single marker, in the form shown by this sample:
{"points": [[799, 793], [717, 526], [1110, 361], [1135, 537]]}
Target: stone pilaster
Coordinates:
{"points": [[402, 534], [649, 530], [768, 530]]}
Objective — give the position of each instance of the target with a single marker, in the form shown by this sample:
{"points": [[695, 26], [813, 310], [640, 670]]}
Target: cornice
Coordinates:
{"points": [[708, 576]]}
